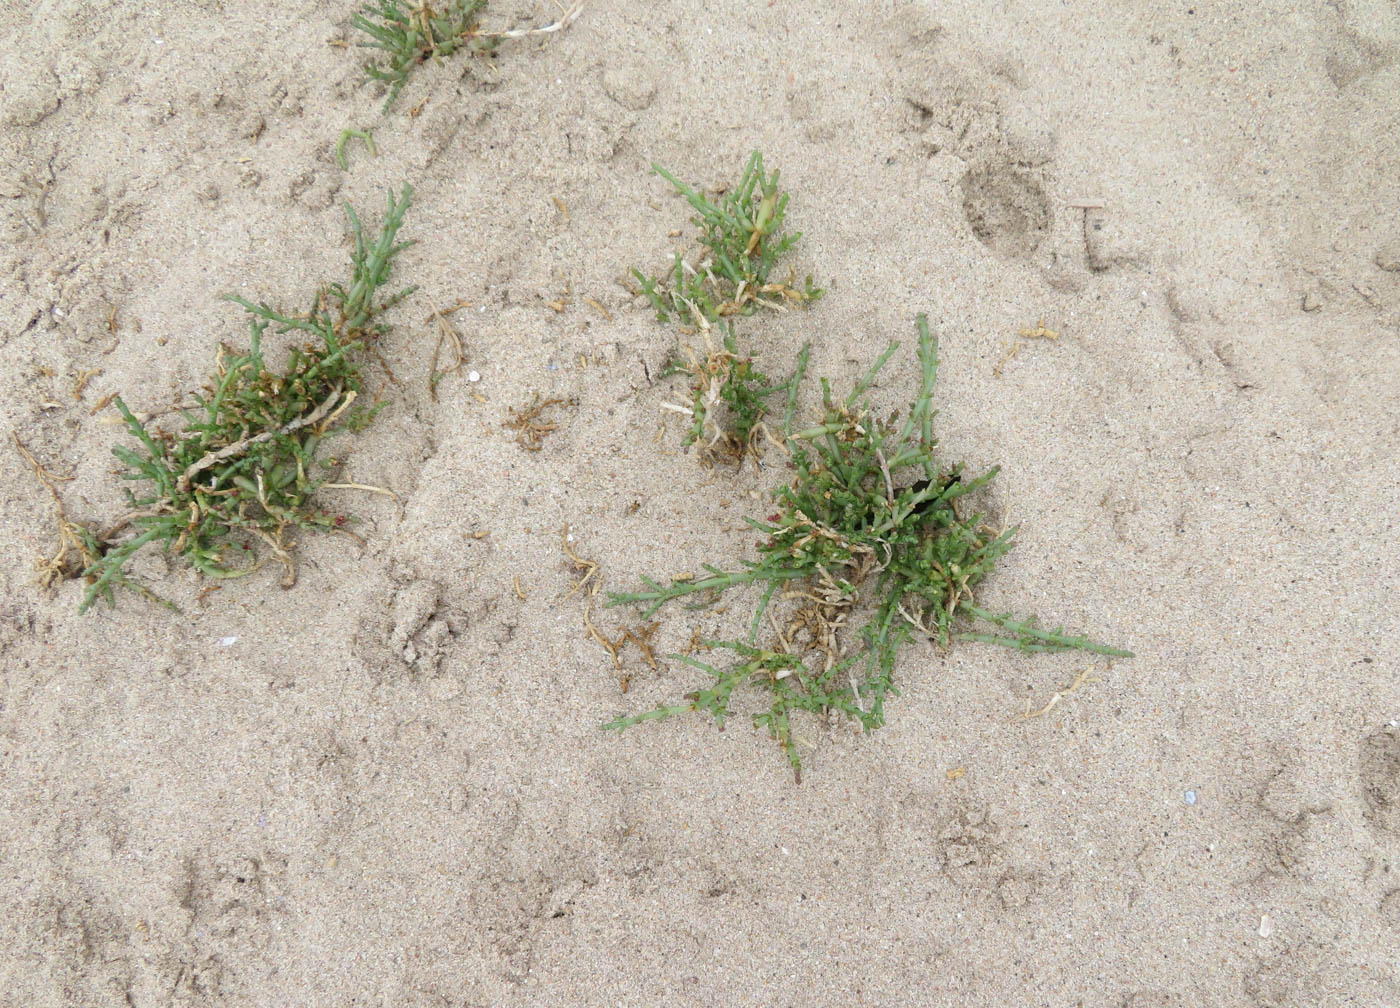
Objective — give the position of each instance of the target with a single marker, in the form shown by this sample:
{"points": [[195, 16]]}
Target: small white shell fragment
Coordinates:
{"points": [[227, 641], [473, 376], [1266, 926]]}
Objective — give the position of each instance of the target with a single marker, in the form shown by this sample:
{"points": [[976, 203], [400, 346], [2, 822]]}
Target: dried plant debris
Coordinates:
{"points": [[1027, 333], [1084, 677], [742, 240], [531, 425], [449, 339], [226, 490], [587, 572], [639, 635], [77, 548], [410, 36], [871, 545]]}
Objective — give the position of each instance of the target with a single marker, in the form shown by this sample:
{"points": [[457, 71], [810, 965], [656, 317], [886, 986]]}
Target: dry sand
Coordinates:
{"points": [[387, 785]]}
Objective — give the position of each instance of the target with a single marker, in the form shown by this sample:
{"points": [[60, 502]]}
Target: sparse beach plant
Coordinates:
{"points": [[872, 543], [226, 490], [742, 239], [410, 36]]}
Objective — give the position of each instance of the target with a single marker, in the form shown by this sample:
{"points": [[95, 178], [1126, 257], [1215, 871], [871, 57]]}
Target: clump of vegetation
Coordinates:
{"points": [[243, 470], [872, 543], [410, 36], [728, 399], [742, 240]]}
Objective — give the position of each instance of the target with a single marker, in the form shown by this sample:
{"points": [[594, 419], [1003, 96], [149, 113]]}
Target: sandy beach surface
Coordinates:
{"points": [[387, 785]]}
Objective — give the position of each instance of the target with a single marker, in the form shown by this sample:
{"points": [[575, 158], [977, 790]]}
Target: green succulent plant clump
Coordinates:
{"points": [[742, 241], [872, 545], [244, 469], [410, 36]]}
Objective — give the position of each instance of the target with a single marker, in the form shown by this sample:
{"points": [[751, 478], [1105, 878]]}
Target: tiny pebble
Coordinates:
{"points": [[473, 376], [1266, 926], [1189, 797], [262, 818], [227, 641]]}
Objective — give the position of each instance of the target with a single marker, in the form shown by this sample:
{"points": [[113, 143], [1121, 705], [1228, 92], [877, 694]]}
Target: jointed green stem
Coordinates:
{"points": [[657, 595], [1029, 637]]}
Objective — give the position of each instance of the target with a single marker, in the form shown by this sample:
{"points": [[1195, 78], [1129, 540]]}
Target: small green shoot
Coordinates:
{"points": [[243, 470], [345, 137], [743, 240], [871, 540]]}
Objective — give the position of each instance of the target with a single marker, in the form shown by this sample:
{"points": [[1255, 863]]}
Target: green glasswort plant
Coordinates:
{"points": [[727, 399], [743, 240], [411, 36], [872, 531], [244, 468]]}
